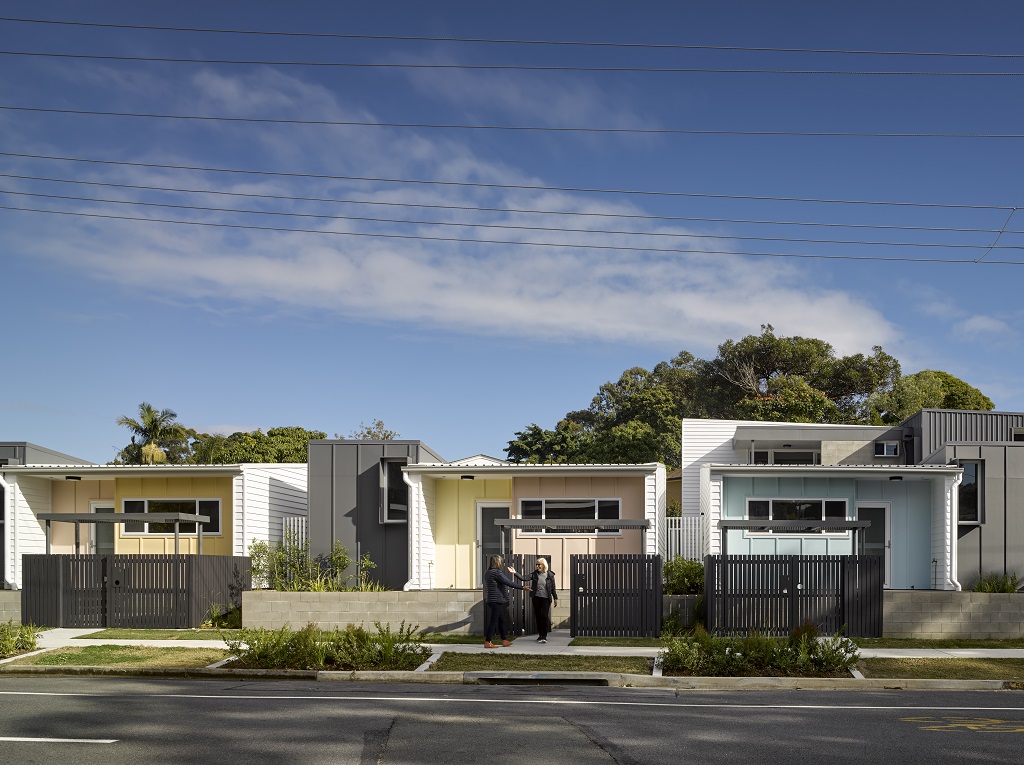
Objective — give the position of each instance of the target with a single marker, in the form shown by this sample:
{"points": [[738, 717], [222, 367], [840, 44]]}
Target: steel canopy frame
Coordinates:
{"points": [[527, 524], [791, 526], [79, 518]]}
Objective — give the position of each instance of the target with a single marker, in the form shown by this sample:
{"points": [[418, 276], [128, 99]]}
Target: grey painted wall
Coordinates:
{"points": [[345, 503]]}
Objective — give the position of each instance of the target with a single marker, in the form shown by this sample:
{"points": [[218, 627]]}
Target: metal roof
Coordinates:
{"points": [[449, 469], [885, 470], [64, 472]]}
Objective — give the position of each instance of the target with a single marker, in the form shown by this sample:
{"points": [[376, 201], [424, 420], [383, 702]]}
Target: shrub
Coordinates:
{"points": [[683, 576], [16, 638], [352, 648], [997, 583], [803, 654], [288, 567]]}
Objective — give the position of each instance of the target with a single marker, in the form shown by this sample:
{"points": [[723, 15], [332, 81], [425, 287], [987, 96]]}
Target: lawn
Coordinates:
{"points": [[123, 634], [482, 662], [126, 656], [944, 669], [950, 643]]}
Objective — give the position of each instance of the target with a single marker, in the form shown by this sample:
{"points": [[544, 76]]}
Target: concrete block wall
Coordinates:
{"points": [[935, 614], [10, 606], [460, 611]]}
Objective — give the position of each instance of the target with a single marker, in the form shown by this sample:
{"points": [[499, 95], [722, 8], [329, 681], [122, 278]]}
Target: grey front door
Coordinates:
{"points": [[103, 533], [489, 535], [874, 540]]}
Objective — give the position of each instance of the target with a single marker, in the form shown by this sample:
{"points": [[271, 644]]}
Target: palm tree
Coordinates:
{"points": [[154, 428]]}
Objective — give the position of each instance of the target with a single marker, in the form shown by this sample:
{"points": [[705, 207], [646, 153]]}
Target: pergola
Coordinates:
{"points": [[79, 518], [579, 527]]}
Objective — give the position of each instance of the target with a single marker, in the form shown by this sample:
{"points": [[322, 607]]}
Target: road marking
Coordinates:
{"points": [[977, 724], [60, 740], [507, 701]]}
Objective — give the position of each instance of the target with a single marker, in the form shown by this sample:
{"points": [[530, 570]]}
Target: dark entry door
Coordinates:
{"points": [[874, 540], [489, 535]]}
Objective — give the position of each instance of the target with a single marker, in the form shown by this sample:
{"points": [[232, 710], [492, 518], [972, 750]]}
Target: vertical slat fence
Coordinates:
{"points": [[615, 595]]}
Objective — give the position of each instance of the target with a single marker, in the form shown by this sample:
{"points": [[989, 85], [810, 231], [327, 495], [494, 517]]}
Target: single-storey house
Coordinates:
{"points": [[245, 503], [429, 524]]}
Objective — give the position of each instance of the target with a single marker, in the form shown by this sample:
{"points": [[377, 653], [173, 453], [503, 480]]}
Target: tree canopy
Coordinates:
{"points": [[759, 377]]}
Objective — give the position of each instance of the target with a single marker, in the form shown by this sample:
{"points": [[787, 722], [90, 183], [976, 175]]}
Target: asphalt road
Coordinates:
{"points": [[104, 721]]}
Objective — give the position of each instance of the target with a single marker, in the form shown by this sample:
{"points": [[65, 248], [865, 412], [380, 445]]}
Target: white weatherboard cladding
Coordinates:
{"points": [[706, 442], [711, 510], [945, 516], [29, 497], [264, 496], [654, 511], [422, 520]]}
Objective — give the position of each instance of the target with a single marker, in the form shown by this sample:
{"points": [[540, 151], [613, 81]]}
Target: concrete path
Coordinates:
{"points": [[557, 645]]}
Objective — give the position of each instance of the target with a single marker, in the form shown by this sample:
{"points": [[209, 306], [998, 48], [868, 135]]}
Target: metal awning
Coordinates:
{"points": [[791, 526], [79, 518]]}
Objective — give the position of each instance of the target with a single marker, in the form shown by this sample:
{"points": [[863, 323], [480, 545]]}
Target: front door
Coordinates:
{"points": [[876, 539], [102, 533], [488, 535]]}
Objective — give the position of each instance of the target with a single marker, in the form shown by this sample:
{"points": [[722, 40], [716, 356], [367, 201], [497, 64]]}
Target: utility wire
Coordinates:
{"points": [[516, 128], [518, 227], [514, 210], [419, 237], [514, 186], [511, 67], [511, 41]]}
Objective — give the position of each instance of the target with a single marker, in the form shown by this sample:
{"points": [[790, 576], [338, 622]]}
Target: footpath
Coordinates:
{"points": [[557, 645]]}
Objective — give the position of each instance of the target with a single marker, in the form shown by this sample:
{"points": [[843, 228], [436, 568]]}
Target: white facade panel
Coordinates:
{"points": [[421, 532], [264, 496], [654, 512], [29, 496], [706, 442]]}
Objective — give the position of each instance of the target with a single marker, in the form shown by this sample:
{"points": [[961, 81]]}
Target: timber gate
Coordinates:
{"points": [[773, 594], [615, 595], [131, 591]]}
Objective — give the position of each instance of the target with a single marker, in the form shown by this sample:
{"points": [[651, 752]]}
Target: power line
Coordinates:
{"points": [[512, 67], [515, 41], [419, 237], [515, 128], [513, 210], [512, 186], [518, 227]]}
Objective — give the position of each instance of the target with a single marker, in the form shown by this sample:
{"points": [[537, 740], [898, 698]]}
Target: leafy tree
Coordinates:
{"points": [[153, 428], [375, 431], [928, 389], [277, 445], [789, 399]]}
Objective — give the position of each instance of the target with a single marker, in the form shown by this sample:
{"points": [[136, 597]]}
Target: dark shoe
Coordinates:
{"points": [[506, 643], [489, 644]]}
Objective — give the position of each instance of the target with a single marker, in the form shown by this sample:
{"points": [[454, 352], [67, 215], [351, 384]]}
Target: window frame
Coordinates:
{"points": [[384, 505], [1016, 435], [793, 534], [597, 505], [884, 453], [147, 533], [815, 454], [979, 496]]}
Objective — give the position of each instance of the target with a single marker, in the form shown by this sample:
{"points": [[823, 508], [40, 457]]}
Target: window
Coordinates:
{"points": [[786, 457], [887, 448], [207, 507], [796, 510], [1017, 434], [571, 510], [970, 493], [394, 492]]}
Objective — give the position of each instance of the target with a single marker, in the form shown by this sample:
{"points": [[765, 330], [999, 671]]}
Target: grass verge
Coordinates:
{"points": [[951, 643], [944, 669], [482, 662], [126, 656], [445, 638], [123, 634]]}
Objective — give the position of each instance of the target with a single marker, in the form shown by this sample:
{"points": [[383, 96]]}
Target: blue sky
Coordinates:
{"points": [[460, 344]]}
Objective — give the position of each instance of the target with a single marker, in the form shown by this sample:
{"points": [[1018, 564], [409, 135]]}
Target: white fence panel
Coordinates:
{"points": [[294, 528], [683, 537]]}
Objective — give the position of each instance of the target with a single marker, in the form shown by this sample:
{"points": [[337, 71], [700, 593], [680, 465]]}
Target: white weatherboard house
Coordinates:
{"points": [[735, 470], [245, 503]]}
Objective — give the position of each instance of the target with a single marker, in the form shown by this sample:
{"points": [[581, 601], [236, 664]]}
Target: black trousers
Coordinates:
{"points": [[542, 611], [497, 621]]}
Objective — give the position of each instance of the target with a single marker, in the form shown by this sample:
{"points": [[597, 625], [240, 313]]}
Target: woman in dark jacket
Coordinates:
{"points": [[544, 596], [496, 584]]}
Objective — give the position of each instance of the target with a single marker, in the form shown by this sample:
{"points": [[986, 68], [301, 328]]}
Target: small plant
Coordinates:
{"points": [[219, 617], [683, 576], [288, 567], [997, 583], [16, 638]]}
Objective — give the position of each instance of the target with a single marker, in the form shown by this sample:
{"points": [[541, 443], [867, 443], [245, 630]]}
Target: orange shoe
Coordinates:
{"points": [[506, 643], [489, 644]]}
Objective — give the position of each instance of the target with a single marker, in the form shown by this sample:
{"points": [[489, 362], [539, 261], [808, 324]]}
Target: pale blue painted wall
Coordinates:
{"points": [[911, 520]]}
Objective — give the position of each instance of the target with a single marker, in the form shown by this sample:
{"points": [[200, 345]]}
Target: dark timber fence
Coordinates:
{"points": [[521, 620], [615, 595], [132, 591], [772, 594]]}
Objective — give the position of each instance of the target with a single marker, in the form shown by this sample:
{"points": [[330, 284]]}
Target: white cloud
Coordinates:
{"points": [[983, 326]]}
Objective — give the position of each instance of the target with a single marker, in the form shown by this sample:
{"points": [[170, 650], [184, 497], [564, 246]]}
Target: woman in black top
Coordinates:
{"points": [[544, 596], [496, 584]]}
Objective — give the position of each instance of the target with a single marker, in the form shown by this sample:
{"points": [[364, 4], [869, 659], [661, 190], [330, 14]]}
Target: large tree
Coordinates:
{"points": [[928, 389], [276, 445], [153, 431]]}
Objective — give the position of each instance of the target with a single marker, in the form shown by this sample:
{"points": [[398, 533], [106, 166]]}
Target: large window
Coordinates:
{"points": [[208, 507], [970, 493], [786, 457], [571, 510], [796, 510], [394, 492]]}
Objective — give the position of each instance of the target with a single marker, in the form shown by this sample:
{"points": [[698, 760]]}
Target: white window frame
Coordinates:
{"points": [[788, 535], [147, 533], [543, 516], [882, 448]]}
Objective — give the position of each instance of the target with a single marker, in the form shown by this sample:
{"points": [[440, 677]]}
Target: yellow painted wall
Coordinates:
{"points": [[175, 487], [456, 533], [558, 548], [75, 497]]}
